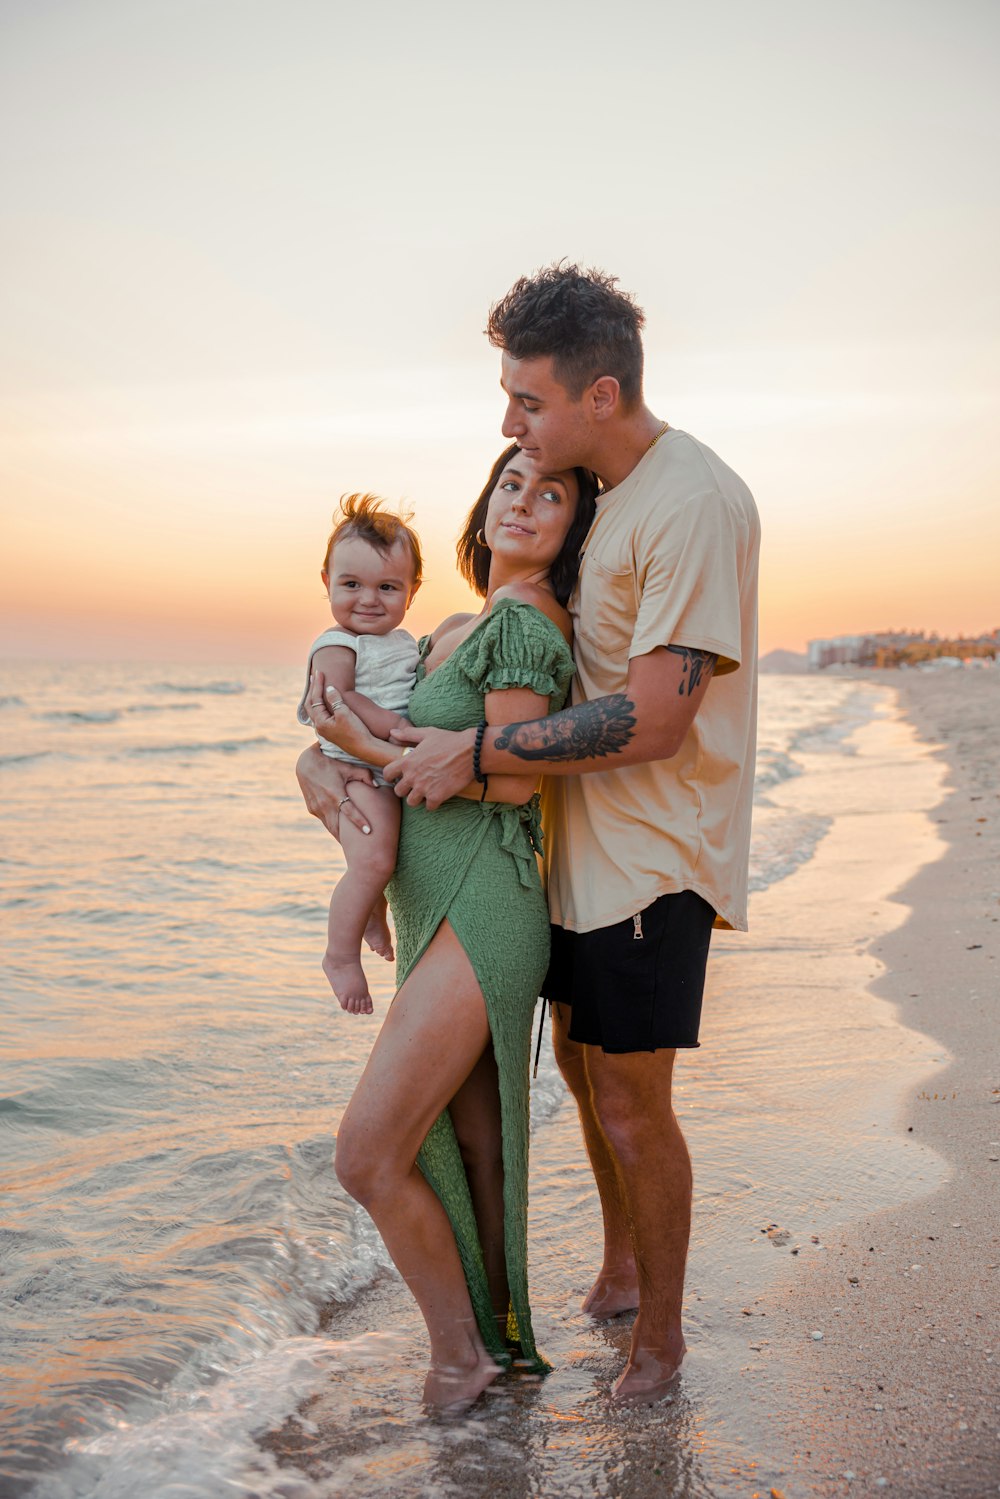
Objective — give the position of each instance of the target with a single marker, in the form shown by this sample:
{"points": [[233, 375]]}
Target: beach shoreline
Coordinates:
{"points": [[900, 1392], [793, 1113]]}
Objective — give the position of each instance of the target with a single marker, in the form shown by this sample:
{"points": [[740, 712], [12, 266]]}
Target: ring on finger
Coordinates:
{"points": [[343, 799]]}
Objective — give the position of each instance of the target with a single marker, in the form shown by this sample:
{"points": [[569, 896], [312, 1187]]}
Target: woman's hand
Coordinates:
{"points": [[334, 721], [326, 784]]}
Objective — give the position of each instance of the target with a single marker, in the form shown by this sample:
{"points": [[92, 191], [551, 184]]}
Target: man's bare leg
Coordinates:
{"points": [[478, 1124], [632, 1099], [616, 1288]]}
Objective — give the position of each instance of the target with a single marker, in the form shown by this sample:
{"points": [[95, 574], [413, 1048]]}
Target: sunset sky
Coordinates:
{"points": [[249, 246]]}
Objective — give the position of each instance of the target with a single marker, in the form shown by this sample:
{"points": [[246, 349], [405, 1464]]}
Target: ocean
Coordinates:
{"points": [[192, 1307]]}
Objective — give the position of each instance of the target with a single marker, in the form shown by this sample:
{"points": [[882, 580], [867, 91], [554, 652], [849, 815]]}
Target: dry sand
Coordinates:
{"points": [[903, 1386]]}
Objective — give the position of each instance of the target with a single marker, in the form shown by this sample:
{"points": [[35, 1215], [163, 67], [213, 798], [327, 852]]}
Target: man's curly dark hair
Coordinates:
{"points": [[579, 318]]}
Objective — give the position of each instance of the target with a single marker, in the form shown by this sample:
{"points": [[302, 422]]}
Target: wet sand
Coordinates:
{"points": [[823, 1061], [904, 1384]]}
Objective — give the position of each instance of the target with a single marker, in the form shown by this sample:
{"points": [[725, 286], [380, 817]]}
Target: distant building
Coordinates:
{"points": [[899, 648]]}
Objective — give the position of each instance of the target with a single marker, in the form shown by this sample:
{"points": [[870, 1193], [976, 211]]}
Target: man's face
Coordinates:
{"points": [[542, 417]]}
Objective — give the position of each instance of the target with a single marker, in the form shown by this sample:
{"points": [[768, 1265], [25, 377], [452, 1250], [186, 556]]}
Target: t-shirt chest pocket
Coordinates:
{"points": [[607, 607]]}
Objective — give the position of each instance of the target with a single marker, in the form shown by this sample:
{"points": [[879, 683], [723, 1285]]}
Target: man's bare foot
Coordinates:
{"points": [[449, 1391], [612, 1293], [649, 1373], [378, 936], [348, 982]]}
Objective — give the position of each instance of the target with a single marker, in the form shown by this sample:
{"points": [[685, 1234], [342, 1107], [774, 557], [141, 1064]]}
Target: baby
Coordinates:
{"points": [[371, 572]]}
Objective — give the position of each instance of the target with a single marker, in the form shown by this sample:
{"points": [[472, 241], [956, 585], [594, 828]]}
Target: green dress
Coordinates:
{"points": [[474, 864]]}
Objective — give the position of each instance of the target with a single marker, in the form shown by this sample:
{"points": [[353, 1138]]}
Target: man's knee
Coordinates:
{"points": [[633, 1103], [482, 1157], [570, 1055]]}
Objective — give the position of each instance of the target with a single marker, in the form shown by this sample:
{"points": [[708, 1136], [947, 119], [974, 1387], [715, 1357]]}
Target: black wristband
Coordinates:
{"points": [[477, 769]]}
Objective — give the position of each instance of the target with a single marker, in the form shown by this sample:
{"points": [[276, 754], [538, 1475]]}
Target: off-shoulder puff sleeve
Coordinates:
{"points": [[519, 646]]}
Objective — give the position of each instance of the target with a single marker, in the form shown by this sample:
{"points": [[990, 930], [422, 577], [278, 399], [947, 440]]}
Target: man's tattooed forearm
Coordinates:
{"points": [[586, 732], [698, 665]]}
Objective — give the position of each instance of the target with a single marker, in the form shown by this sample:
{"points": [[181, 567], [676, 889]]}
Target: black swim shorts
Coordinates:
{"points": [[636, 985]]}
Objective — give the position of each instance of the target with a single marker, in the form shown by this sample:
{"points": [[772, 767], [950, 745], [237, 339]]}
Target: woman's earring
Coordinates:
{"points": [[480, 538]]}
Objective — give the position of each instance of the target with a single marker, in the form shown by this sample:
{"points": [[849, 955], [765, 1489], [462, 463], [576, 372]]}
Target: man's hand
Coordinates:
{"points": [[324, 784], [438, 765]]}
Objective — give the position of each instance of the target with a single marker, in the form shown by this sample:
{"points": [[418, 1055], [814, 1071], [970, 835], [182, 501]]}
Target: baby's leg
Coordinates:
{"points": [[371, 859], [377, 934]]}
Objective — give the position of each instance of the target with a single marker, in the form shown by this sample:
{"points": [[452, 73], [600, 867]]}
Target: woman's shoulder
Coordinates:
{"points": [[451, 623], [536, 598]]}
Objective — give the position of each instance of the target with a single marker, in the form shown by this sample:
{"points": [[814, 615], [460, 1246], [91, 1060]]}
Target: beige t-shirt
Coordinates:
{"points": [[671, 559]]}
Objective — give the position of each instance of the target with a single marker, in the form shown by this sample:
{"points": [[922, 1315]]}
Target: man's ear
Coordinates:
{"points": [[603, 397]]}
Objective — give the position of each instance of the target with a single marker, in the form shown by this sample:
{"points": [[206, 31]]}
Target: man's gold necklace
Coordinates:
{"points": [[656, 439]]}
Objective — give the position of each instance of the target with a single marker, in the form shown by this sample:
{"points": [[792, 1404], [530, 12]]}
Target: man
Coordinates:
{"points": [[648, 775]]}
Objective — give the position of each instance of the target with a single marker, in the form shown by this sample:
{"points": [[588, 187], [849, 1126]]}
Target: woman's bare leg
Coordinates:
{"points": [[371, 859], [475, 1114], [432, 1038]]}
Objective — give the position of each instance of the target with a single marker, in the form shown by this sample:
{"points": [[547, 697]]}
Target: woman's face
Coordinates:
{"points": [[529, 513]]}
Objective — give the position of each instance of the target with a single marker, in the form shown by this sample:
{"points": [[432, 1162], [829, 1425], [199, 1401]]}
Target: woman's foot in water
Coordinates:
{"points": [[449, 1390], [377, 934], [347, 980]]}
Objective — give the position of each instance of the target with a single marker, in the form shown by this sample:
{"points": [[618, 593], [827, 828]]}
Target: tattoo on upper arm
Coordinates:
{"points": [[698, 666], [588, 731]]}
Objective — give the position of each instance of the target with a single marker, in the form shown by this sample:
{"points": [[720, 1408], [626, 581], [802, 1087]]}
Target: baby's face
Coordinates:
{"points": [[369, 593]]}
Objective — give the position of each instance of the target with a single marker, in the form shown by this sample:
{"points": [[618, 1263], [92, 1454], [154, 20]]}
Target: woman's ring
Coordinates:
{"points": [[343, 799], [315, 705]]}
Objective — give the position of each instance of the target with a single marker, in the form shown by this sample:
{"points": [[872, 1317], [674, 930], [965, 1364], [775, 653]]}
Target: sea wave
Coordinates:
{"points": [[831, 734], [24, 758], [779, 846], [11, 700], [163, 707], [225, 689], [81, 715], [773, 767], [209, 747]]}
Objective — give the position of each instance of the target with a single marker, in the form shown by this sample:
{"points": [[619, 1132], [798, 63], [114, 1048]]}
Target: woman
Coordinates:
{"points": [[448, 1075]]}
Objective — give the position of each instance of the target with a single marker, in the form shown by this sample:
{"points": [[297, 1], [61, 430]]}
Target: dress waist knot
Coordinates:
{"points": [[520, 834]]}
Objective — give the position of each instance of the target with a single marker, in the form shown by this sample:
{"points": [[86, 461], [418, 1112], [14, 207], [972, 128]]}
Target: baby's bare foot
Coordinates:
{"points": [[378, 936], [348, 982]]}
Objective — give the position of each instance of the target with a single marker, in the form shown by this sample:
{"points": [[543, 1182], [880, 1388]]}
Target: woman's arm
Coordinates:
{"points": [[501, 708], [326, 789], [337, 722]]}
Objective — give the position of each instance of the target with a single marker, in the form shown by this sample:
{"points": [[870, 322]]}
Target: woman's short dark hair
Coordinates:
{"points": [[580, 319], [474, 556]]}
